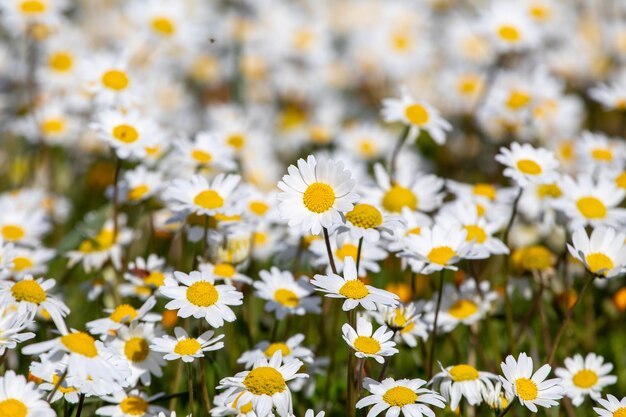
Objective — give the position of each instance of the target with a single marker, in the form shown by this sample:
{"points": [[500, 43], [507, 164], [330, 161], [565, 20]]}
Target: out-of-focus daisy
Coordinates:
{"points": [[127, 132], [509, 28], [344, 248], [31, 261], [603, 252], [405, 320], [12, 329], [526, 164], [123, 315], [291, 349], [132, 404], [495, 397], [315, 194], [206, 151], [95, 250], [185, 347], [200, 196], [612, 96], [134, 342], [611, 407], [403, 395], [585, 376], [532, 389], [353, 289], [462, 381], [21, 226], [284, 295], [598, 150], [19, 398], [367, 142], [140, 184], [224, 271], [369, 344]]}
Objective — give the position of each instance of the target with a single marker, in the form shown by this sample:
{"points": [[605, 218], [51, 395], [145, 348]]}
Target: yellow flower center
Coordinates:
{"points": [[485, 190], [367, 345], [407, 328], [319, 197], [549, 190], [399, 396], [13, 408], [264, 380], [367, 147], [201, 156], [398, 197], [33, 6], [414, 231], [53, 126], [286, 297], [62, 387], [29, 291], [102, 241], [115, 80], [13, 232], [440, 255], [475, 233], [202, 294], [591, 208], [80, 343], [540, 12], [136, 193], [621, 180], [417, 114], [526, 389], [533, 257], [136, 349], [187, 347], [155, 278], [209, 199], [463, 373], [509, 33], [224, 270], [620, 412], [468, 85], [401, 41], [61, 61], [274, 347], [135, 406], [163, 26], [529, 167], [463, 309], [259, 238], [602, 154], [599, 262], [346, 250], [246, 408], [258, 207], [365, 216], [123, 314], [125, 133], [518, 100], [20, 263], [236, 141], [585, 378], [354, 289]]}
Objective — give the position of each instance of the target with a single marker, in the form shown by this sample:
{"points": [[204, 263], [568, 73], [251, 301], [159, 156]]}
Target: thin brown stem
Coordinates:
{"points": [[331, 259], [433, 333], [358, 255], [396, 152], [81, 402], [190, 387], [116, 178]]}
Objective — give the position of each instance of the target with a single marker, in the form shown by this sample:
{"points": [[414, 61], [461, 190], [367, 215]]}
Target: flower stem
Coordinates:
{"points": [[331, 259], [190, 386], [57, 385], [507, 409], [508, 308], [118, 169], [358, 255], [433, 333], [396, 152], [351, 403], [81, 401]]}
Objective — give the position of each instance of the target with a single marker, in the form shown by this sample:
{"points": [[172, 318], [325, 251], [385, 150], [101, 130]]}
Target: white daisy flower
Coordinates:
{"points": [[603, 253], [462, 381], [315, 194], [369, 344], [368, 142], [598, 151], [585, 376], [200, 196], [95, 250], [612, 96], [123, 315], [224, 271], [206, 151], [134, 343], [494, 397], [509, 27], [196, 295], [31, 261], [12, 326], [611, 407], [369, 222], [132, 404], [405, 320], [128, 132], [343, 248], [19, 398], [532, 389], [403, 395], [286, 296], [291, 349], [185, 347], [526, 164], [139, 184], [20, 226]]}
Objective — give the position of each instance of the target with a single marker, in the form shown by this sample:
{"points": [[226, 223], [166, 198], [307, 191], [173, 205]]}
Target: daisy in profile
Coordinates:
{"points": [[197, 295], [585, 376], [368, 142], [509, 27], [291, 349], [134, 343], [417, 115], [408, 396], [405, 320], [265, 385], [206, 151], [369, 222], [222, 406], [532, 389], [315, 194], [19, 398], [369, 344], [185, 347], [343, 248], [145, 277], [462, 381], [224, 271], [603, 253], [140, 184], [132, 404], [51, 378], [495, 397], [526, 164], [197, 195], [12, 328], [286, 296], [352, 289], [611, 407], [612, 96], [123, 315]]}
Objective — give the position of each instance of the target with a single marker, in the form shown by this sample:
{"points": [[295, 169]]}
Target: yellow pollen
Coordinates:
{"points": [[476, 233], [485, 190], [125, 133], [591, 208], [133, 405], [53, 126], [347, 250], [526, 389], [258, 207], [417, 114], [187, 347], [224, 270], [440, 255], [518, 100], [201, 156], [29, 291], [549, 190], [61, 61], [620, 412], [202, 294], [365, 216], [20, 263], [13, 408], [286, 297], [264, 380], [163, 26], [528, 167], [209, 199], [136, 349], [115, 80], [80, 343], [620, 181], [136, 193], [319, 197], [509, 33], [123, 314], [602, 154], [354, 289], [463, 309], [13, 232], [585, 378], [33, 6], [398, 197], [463, 372], [274, 347], [367, 345], [236, 141], [155, 278], [399, 396], [599, 262]]}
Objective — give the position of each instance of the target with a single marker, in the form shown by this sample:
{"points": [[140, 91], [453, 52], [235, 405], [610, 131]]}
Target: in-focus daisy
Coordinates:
{"points": [[462, 381], [291, 349], [603, 253], [368, 222], [185, 347], [132, 404], [526, 164], [611, 407], [532, 389], [19, 398], [403, 395], [127, 132], [123, 315], [405, 320], [284, 295], [197, 195], [369, 344], [353, 289], [134, 342], [315, 194], [224, 271], [585, 376]]}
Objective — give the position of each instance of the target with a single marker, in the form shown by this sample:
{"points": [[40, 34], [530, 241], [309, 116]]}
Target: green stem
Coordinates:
{"points": [[331, 259], [433, 333]]}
